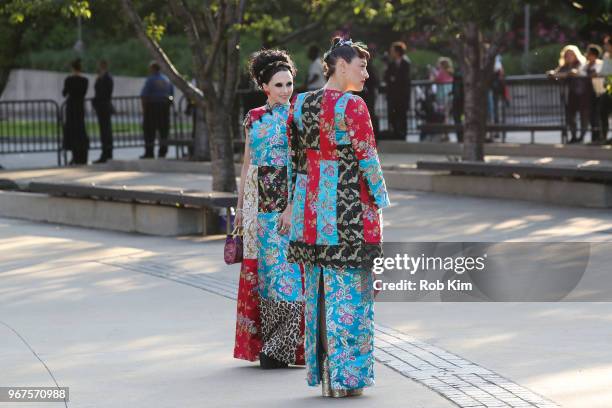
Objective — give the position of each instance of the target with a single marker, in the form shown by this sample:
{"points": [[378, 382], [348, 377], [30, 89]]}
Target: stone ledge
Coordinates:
{"points": [[108, 215], [158, 166], [501, 149], [558, 192]]}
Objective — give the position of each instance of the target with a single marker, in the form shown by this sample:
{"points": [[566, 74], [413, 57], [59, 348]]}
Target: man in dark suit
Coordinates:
{"points": [[370, 91], [397, 78], [156, 96], [101, 102]]}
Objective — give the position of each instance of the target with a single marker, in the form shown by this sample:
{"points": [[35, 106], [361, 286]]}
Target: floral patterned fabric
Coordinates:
{"points": [[248, 336], [349, 311], [337, 190], [270, 293], [337, 186]]}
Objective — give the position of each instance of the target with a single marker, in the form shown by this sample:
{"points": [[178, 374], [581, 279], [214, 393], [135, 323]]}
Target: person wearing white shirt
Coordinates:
{"points": [[316, 79], [592, 68]]}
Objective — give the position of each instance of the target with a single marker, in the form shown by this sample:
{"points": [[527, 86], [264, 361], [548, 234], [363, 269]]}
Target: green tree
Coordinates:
{"points": [[474, 29], [213, 33], [10, 38], [213, 29]]}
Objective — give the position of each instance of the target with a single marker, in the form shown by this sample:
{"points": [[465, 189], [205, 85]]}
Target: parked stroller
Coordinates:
{"points": [[427, 110]]}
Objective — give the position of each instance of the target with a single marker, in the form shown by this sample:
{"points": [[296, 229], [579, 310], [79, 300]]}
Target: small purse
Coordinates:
{"points": [[232, 251]]}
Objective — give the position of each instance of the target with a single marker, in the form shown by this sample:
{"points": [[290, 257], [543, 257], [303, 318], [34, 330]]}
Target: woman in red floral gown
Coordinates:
{"points": [[269, 324]]}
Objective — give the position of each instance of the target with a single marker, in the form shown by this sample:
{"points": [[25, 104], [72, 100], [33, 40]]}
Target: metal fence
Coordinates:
{"points": [[36, 125], [126, 122], [529, 100], [30, 126]]}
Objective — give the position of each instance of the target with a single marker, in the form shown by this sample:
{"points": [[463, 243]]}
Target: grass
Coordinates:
{"points": [[50, 129]]}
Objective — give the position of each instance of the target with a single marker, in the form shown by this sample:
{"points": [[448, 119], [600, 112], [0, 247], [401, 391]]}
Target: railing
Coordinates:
{"points": [[30, 126], [126, 122], [532, 100], [36, 125]]}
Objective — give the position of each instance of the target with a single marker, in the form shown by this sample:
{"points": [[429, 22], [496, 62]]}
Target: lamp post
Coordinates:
{"points": [[79, 46], [527, 31]]}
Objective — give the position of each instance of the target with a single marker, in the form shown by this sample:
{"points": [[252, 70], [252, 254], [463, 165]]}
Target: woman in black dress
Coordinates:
{"points": [[75, 135]]}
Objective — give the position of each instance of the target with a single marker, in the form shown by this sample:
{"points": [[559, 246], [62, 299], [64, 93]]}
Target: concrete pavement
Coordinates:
{"points": [[121, 320], [136, 321], [121, 338]]}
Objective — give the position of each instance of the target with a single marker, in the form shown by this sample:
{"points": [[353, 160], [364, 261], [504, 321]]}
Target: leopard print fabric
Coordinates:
{"points": [[280, 329]]}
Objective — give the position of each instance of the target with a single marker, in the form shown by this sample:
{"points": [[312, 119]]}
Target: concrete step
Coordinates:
{"points": [[501, 149], [108, 215], [558, 192], [158, 166]]}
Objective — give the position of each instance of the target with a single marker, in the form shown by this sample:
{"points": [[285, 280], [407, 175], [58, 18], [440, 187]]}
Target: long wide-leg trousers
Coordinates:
{"points": [[347, 300]]}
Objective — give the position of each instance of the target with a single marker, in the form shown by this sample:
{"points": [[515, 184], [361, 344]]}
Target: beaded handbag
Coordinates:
{"points": [[232, 251]]}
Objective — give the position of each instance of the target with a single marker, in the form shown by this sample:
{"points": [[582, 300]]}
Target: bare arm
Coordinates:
{"points": [[243, 175]]}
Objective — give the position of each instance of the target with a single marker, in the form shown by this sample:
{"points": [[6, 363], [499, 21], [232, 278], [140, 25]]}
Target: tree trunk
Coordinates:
{"points": [[218, 119], [475, 96], [201, 150], [220, 61]]}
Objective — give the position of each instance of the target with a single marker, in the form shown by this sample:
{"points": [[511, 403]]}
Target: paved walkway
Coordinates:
{"points": [[48, 160], [131, 320], [201, 181], [92, 308]]}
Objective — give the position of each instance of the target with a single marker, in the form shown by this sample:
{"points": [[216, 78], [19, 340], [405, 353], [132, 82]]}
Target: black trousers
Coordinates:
{"points": [[397, 113], [106, 132], [80, 154], [156, 121], [457, 120], [605, 108], [373, 117], [580, 104]]}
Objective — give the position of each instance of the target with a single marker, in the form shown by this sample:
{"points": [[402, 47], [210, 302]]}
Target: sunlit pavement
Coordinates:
{"points": [[93, 309]]}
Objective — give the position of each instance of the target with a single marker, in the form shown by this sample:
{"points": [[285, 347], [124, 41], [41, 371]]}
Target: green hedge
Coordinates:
{"points": [[131, 58]]}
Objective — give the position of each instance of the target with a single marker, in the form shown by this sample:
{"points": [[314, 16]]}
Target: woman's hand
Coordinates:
{"points": [[284, 222], [238, 218]]}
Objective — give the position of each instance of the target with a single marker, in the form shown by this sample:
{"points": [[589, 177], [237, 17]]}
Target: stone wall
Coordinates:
{"points": [[28, 84]]}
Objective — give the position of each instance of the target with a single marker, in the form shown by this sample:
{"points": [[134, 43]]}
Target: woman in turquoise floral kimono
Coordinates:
{"points": [[336, 193], [269, 324]]}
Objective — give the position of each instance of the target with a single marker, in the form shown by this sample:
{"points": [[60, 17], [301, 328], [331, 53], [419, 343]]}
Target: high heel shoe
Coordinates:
{"points": [[326, 388], [270, 363]]}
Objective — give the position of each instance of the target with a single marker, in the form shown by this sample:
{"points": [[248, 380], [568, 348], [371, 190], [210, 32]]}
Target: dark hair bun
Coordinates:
{"points": [[265, 63], [345, 49]]}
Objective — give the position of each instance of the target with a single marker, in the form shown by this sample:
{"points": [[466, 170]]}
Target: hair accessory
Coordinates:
{"points": [[342, 43], [271, 65]]}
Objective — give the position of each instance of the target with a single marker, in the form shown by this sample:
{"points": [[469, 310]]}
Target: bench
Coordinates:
{"points": [[189, 210], [521, 170], [186, 198], [427, 128]]}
